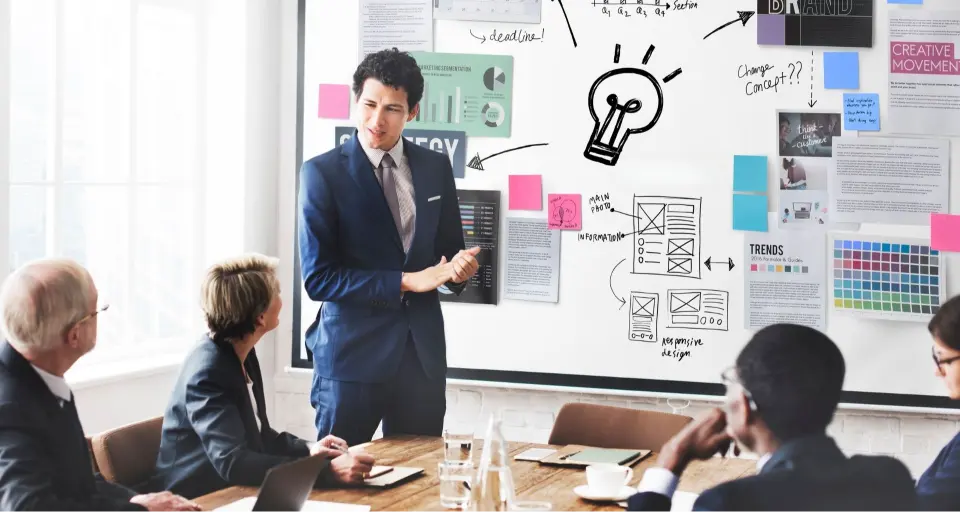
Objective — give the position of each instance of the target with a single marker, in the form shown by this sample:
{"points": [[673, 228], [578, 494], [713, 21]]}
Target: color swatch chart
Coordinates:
{"points": [[886, 277]]}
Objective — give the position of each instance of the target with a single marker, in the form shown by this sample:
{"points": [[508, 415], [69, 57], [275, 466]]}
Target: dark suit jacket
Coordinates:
{"points": [[351, 258], [807, 474], [210, 439], [939, 486], [44, 460]]}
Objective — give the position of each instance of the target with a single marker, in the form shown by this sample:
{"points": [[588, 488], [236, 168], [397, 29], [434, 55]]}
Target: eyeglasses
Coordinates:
{"points": [[99, 310], [729, 378], [940, 362]]}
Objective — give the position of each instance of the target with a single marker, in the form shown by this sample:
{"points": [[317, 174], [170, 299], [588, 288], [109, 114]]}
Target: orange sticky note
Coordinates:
{"points": [[334, 101], [945, 232], [564, 211], [526, 192]]}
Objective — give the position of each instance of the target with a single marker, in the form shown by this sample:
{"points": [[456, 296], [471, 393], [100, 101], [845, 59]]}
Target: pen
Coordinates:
{"points": [[569, 455]]}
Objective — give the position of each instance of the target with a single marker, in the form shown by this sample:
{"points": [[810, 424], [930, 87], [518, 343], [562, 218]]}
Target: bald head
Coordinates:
{"points": [[42, 300]]}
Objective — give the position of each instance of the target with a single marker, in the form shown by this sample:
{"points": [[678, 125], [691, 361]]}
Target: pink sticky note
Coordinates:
{"points": [[945, 232], [564, 211], [334, 101], [525, 192]]}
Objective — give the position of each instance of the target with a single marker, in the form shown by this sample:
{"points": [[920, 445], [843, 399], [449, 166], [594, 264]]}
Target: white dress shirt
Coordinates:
{"points": [[403, 176], [58, 385], [663, 481], [253, 403]]}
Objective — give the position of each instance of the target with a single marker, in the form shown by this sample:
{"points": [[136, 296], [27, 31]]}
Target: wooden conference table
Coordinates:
{"points": [[532, 480]]}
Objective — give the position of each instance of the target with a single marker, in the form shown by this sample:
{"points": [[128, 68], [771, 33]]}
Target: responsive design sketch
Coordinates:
{"points": [[698, 309], [666, 236], [643, 316]]}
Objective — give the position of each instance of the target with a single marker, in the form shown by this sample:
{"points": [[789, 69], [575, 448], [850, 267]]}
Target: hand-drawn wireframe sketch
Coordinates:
{"points": [[666, 238], [623, 102], [698, 309], [643, 316]]}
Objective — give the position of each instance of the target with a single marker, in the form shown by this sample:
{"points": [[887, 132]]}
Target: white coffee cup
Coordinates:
{"points": [[608, 479]]}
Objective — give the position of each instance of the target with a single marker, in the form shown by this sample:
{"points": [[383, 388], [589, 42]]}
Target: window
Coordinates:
{"points": [[106, 160]]}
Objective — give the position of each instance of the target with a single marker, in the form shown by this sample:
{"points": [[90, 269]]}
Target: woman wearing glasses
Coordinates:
{"points": [[215, 431], [939, 486]]}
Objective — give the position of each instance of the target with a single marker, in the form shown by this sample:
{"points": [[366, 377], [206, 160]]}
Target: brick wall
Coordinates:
{"points": [[528, 416]]}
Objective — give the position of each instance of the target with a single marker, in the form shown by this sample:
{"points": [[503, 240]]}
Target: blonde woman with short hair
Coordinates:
{"points": [[215, 430]]}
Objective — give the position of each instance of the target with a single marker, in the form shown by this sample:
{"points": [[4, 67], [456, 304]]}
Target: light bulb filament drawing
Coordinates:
{"points": [[615, 108], [632, 101]]}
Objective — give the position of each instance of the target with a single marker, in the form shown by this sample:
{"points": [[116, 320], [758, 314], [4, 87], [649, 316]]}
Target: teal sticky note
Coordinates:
{"points": [[861, 111], [749, 173], [841, 70], [749, 212]]}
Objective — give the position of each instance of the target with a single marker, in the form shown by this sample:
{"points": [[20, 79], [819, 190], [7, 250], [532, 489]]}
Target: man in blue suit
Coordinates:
{"points": [[781, 396], [379, 232]]}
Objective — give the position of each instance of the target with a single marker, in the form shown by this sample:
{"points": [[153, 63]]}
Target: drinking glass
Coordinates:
{"points": [[458, 445], [456, 480]]}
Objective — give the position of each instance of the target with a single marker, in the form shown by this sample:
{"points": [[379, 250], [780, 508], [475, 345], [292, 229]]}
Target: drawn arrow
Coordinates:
{"points": [[622, 301], [742, 17], [477, 162], [729, 264], [812, 101], [568, 22]]}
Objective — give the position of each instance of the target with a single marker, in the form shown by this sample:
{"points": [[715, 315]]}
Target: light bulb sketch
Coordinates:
{"points": [[630, 101], [565, 211]]}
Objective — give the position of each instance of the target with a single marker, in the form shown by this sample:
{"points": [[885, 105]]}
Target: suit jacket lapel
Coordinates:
{"points": [[360, 168]]}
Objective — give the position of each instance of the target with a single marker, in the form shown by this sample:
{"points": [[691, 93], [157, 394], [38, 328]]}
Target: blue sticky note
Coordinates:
{"points": [[910, 2], [749, 173], [749, 212], [861, 111], [841, 70]]}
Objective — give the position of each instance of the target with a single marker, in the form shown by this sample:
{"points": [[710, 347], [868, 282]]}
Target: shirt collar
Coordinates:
{"points": [[376, 155], [763, 461], [58, 385]]}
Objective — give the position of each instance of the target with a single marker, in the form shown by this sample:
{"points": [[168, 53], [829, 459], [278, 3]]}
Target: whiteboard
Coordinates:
{"points": [[710, 113]]}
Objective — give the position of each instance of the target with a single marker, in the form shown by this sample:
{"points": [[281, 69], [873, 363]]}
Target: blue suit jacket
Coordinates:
{"points": [[351, 259], [210, 438], [44, 460], [939, 486], [806, 474]]}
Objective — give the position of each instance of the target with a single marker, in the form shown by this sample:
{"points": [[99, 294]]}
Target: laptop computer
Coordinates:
{"points": [[285, 488]]}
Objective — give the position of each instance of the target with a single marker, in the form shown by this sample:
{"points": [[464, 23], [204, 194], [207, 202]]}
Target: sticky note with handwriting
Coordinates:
{"points": [[861, 111], [564, 211]]}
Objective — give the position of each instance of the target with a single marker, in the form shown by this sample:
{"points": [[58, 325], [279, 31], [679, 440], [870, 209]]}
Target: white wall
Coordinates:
{"points": [[528, 416]]}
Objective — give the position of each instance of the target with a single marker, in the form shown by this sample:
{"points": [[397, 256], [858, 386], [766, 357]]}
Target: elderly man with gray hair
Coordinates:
{"points": [[49, 321]]}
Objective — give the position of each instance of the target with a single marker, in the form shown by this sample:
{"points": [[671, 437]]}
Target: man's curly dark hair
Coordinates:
{"points": [[795, 375], [392, 68]]}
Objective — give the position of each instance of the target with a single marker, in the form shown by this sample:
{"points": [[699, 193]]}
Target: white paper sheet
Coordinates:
{"points": [[533, 260], [403, 24], [889, 181], [308, 506], [924, 72], [784, 281]]}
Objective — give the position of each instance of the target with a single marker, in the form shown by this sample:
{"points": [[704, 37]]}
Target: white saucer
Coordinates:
{"points": [[584, 492]]}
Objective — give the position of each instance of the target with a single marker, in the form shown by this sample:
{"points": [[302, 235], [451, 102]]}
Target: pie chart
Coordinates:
{"points": [[494, 79]]}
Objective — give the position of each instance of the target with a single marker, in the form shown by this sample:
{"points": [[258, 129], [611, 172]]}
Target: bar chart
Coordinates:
{"points": [[440, 106]]}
